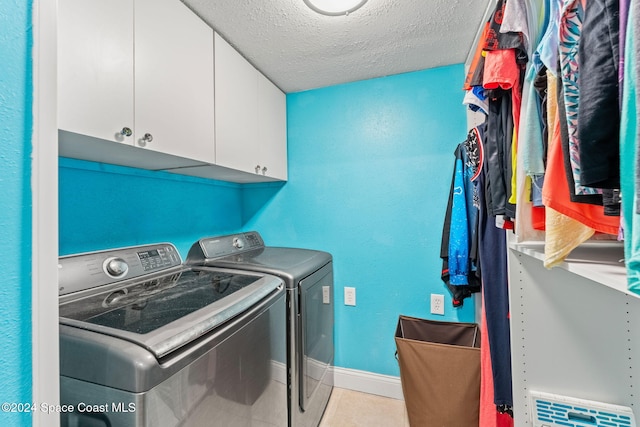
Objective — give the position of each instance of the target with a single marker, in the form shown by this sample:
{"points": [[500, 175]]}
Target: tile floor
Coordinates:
{"points": [[348, 408]]}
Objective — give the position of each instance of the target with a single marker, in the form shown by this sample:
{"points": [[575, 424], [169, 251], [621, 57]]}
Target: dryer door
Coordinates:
{"points": [[316, 316]]}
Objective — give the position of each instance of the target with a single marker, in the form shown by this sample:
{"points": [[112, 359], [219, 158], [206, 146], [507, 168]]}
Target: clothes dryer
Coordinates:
{"points": [[308, 278]]}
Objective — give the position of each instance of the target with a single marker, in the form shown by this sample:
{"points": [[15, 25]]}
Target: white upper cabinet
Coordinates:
{"points": [[236, 94], [147, 84], [174, 80], [272, 129], [251, 126], [95, 68], [145, 81]]}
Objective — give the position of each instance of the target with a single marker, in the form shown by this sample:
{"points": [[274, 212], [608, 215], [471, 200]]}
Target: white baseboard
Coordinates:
{"points": [[368, 382]]}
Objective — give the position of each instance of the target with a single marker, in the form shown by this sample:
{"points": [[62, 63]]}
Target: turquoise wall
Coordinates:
{"points": [[16, 87], [105, 206], [370, 167]]}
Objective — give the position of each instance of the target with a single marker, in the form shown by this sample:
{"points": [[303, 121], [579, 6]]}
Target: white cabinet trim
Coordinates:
{"points": [[44, 180]]}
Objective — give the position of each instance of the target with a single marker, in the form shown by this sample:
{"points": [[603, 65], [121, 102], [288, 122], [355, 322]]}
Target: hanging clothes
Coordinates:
{"points": [[489, 414], [487, 406], [495, 39], [497, 147], [502, 76], [555, 195], [599, 108], [503, 69], [529, 129], [549, 43], [458, 250], [476, 100], [622, 18], [629, 140], [541, 85], [515, 20], [532, 142], [493, 259], [563, 233], [570, 31], [474, 75], [533, 139], [594, 197], [505, 56]]}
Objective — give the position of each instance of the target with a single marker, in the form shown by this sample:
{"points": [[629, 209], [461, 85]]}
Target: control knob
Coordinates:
{"points": [[238, 243], [116, 267]]}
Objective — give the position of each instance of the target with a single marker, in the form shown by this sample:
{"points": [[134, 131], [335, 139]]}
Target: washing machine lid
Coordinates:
{"points": [[167, 312], [161, 309]]}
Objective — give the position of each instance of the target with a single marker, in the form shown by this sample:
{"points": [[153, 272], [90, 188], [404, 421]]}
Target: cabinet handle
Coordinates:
{"points": [[126, 131], [145, 139], [264, 170], [257, 168]]}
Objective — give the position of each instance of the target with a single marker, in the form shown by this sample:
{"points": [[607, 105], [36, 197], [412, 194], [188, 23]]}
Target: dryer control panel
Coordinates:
{"points": [[215, 247]]}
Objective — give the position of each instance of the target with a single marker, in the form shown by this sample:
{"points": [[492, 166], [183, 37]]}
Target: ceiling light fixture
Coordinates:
{"points": [[334, 7]]}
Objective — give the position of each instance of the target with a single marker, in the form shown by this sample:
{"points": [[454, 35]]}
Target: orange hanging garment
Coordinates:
{"points": [[562, 234]]}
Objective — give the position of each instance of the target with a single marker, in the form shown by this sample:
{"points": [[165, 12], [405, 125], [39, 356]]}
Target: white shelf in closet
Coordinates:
{"points": [[599, 261]]}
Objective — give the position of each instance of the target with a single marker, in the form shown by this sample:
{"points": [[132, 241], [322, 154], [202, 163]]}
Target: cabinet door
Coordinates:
{"points": [[174, 80], [95, 67], [272, 128], [236, 86]]}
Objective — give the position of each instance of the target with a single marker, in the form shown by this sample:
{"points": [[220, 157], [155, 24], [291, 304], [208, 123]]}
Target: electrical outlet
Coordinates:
{"points": [[349, 296], [437, 304]]}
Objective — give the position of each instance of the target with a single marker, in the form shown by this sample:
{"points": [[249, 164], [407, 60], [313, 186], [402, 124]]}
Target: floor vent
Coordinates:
{"points": [[552, 410]]}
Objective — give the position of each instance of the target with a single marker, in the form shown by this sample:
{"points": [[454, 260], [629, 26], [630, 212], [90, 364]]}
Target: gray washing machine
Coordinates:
{"points": [[146, 341], [308, 278]]}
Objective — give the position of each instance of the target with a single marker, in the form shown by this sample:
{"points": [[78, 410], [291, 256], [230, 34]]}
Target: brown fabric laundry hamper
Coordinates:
{"points": [[439, 371]]}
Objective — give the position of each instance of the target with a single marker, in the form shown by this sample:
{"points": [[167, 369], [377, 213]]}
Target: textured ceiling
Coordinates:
{"points": [[299, 49]]}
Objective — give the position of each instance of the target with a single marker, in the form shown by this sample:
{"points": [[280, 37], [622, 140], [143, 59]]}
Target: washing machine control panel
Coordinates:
{"points": [[254, 240], [116, 267], [88, 270]]}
